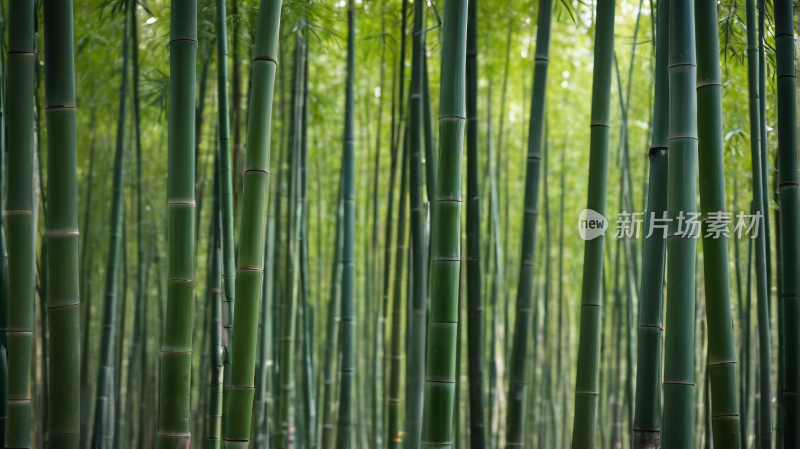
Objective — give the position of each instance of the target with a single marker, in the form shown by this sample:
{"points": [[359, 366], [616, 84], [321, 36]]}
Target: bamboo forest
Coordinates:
{"points": [[382, 224]]}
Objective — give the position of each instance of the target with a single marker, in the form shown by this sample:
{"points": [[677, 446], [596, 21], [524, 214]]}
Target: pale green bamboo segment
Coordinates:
{"points": [[63, 298], [251, 244], [224, 144], [721, 351], [586, 387], [517, 388], [790, 215], [445, 244], [679, 385], [176, 350], [763, 412], [19, 225]]}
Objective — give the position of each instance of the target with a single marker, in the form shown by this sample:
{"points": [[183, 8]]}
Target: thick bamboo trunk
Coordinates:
{"points": [[63, 298], [19, 221], [176, 356], [250, 266], [395, 436], [679, 379], [446, 234], [721, 350], [790, 219]]}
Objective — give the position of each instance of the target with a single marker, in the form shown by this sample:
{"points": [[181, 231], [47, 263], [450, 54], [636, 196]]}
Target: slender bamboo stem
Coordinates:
{"points": [[176, 356], [721, 350], [586, 388], [679, 383], [250, 268], [475, 316], [446, 238], [517, 379], [394, 435], [348, 311], [763, 413]]}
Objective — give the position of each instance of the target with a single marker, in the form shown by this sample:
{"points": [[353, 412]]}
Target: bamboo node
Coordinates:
{"points": [[175, 203], [590, 305], [721, 363], [599, 124], [244, 387], [727, 414], [680, 64], [236, 441], [48, 234], [265, 58], [60, 106], [257, 169], [690, 384], [20, 53], [708, 84], [652, 326], [163, 351], [68, 306], [592, 393], [682, 137], [452, 116], [182, 40], [248, 269]]}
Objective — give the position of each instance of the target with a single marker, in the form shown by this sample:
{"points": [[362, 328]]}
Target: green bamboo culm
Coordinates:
{"points": [[647, 411], [217, 351], [226, 202], [586, 388], [763, 412], [3, 395], [331, 332], [394, 427], [445, 244], [678, 386], [347, 330], [176, 350], [721, 361], [63, 297], [250, 268], [286, 365], [475, 316], [104, 399], [790, 216], [415, 353], [517, 387], [19, 221], [226, 170]]}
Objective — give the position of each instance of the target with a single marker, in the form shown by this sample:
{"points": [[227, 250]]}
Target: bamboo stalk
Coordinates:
{"points": [[250, 267], [721, 350], [174, 413], [647, 414], [790, 219], [475, 315], [586, 388], [63, 297], [348, 311], [19, 221], [446, 238], [394, 428], [679, 383], [517, 380], [763, 412]]}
